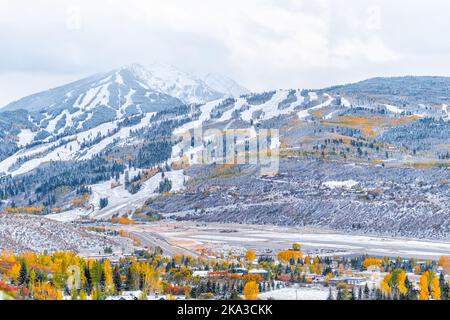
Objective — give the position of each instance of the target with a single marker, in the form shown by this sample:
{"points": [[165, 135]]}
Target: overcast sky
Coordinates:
{"points": [[261, 44]]}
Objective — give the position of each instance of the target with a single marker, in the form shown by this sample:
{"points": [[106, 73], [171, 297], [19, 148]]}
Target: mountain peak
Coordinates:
{"points": [[132, 67], [157, 78], [174, 82], [188, 87]]}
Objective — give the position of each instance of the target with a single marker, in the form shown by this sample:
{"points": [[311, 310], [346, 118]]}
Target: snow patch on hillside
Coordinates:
{"points": [[226, 116], [445, 109], [122, 135], [52, 123], [205, 115], [38, 234], [345, 102], [393, 109], [120, 201], [84, 101], [102, 97], [306, 113], [341, 184], [71, 150], [269, 109], [313, 96], [25, 137]]}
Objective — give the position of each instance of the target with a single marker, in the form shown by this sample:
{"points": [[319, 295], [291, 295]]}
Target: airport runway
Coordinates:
{"points": [[184, 237]]}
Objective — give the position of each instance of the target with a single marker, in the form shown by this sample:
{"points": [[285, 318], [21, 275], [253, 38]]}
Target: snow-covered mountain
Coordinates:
{"points": [[189, 88], [117, 91], [90, 114], [106, 97], [131, 87], [175, 83], [119, 134]]}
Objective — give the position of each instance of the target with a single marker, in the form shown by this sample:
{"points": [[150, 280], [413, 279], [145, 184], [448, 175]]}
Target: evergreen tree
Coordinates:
{"points": [[366, 292], [23, 277], [444, 287], [117, 278], [88, 282]]}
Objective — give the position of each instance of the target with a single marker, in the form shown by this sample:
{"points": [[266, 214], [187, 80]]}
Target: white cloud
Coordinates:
{"points": [[371, 49], [15, 85], [263, 44], [374, 21]]}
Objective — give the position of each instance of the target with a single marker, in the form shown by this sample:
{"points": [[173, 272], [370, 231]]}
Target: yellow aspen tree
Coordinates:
{"points": [[109, 282], [250, 256], [8, 256], [29, 257], [177, 258], [372, 262], [251, 290], [424, 293], [385, 262], [150, 277], [435, 289], [32, 280], [14, 273], [385, 286], [83, 295], [317, 268], [135, 275], [307, 260], [417, 270], [401, 278], [286, 256]]}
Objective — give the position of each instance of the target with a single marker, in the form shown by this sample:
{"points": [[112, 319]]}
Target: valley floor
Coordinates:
{"points": [[188, 237]]}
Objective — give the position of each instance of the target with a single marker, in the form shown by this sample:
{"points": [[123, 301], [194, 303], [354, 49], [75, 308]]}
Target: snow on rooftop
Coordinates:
{"points": [[257, 271]]}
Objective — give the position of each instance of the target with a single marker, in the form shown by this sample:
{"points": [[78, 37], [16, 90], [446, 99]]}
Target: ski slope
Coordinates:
{"points": [[70, 151]]}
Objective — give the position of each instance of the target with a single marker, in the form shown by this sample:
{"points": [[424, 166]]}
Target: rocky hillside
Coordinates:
{"points": [[27, 233], [366, 157]]}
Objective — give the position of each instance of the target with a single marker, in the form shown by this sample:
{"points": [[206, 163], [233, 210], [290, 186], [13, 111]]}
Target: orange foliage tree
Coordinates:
{"points": [[122, 220], [401, 279], [250, 256], [286, 256], [251, 290], [435, 289], [385, 285], [372, 262], [252, 277], [424, 293], [14, 273], [444, 262]]}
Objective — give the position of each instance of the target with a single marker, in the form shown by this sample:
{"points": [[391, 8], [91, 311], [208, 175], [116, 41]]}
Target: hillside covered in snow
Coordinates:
{"points": [[366, 157]]}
